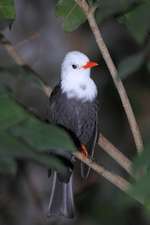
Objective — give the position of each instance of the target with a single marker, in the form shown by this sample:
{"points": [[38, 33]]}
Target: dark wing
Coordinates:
{"points": [[64, 156], [54, 92], [85, 170], [51, 108], [77, 117]]}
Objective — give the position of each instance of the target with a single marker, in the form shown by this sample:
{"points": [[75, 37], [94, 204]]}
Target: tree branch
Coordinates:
{"points": [[118, 156], [116, 180], [89, 12], [13, 53]]}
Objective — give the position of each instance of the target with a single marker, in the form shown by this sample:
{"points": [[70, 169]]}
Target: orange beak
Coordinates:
{"points": [[89, 64]]}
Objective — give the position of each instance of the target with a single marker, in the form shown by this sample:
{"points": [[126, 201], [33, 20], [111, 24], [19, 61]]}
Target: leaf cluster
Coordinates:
{"points": [[7, 9], [23, 136]]}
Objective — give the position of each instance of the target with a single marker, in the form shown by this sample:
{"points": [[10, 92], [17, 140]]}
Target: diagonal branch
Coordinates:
{"points": [[13, 53], [116, 180], [118, 156], [89, 12]]}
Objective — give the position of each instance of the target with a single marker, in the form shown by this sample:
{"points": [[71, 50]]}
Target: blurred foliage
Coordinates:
{"points": [[8, 119], [22, 135], [7, 9], [108, 8], [130, 65], [138, 21], [135, 62], [42, 136], [140, 189], [8, 165], [72, 15]]}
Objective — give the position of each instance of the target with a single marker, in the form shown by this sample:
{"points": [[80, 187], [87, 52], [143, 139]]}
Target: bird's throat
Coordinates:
{"points": [[85, 90]]}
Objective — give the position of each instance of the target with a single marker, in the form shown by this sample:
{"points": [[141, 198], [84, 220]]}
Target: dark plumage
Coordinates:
{"points": [[73, 106], [80, 119], [75, 115]]}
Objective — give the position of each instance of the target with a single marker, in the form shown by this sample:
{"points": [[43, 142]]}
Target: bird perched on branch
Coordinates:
{"points": [[73, 106]]}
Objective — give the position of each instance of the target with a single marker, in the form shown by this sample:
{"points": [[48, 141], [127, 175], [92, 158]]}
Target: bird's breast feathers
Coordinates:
{"points": [[82, 89], [72, 113]]}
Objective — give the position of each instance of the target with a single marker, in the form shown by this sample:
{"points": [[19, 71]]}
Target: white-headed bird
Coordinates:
{"points": [[73, 106]]}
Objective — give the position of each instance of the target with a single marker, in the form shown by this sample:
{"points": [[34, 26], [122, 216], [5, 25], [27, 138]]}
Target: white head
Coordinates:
{"points": [[75, 76]]}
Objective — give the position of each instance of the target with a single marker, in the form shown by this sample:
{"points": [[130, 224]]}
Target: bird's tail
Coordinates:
{"points": [[61, 199]]}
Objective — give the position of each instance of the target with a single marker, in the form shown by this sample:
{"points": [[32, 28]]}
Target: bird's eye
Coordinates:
{"points": [[74, 66]]}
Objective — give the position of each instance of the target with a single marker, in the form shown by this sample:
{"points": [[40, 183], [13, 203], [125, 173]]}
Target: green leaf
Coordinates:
{"points": [[19, 74], [138, 21], [12, 147], [42, 136], [72, 15], [141, 190], [141, 164], [107, 8], [7, 9], [130, 65], [10, 112], [8, 166]]}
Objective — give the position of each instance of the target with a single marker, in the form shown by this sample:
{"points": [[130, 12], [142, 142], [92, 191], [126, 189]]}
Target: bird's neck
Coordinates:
{"points": [[79, 88]]}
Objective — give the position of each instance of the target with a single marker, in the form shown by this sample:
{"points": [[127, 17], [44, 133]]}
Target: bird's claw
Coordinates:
{"points": [[84, 151]]}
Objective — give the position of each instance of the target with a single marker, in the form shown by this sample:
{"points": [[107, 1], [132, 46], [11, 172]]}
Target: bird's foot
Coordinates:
{"points": [[84, 151]]}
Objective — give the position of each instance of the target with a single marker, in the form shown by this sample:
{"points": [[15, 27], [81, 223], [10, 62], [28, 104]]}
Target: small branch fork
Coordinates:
{"points": [[108, 147], [116, 180], [89, 12]]}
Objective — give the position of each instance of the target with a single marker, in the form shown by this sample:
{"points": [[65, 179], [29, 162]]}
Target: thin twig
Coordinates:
{"points": [[118, 156], [13, 53], [32, 37], [113, 71], [117, 180]]}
